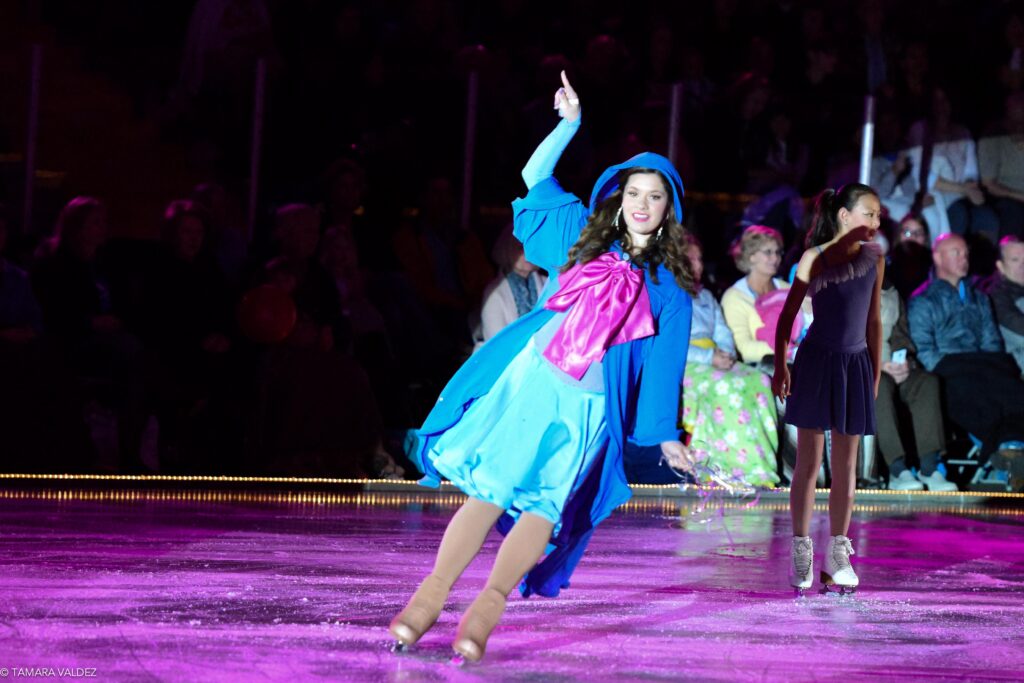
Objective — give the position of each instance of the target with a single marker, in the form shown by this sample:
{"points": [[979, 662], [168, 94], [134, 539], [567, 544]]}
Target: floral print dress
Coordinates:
{"points": [[730, 412]]}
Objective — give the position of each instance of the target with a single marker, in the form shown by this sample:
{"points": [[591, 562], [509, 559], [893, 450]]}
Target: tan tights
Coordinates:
{"points": [[809, 445], [465, 535]]}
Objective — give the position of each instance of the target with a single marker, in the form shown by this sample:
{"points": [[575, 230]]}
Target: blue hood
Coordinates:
{"points": [[609, 180]]}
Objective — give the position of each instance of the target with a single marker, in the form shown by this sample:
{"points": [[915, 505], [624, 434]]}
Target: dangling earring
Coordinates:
{"points": [[615, 221], [660, 230]]}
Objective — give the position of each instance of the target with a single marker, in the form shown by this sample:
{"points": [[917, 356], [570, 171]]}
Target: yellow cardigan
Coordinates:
{"points": [[742, 319]]}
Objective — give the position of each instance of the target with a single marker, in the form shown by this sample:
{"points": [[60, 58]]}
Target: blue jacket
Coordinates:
{"points": [[641, 378], [941, 322]]}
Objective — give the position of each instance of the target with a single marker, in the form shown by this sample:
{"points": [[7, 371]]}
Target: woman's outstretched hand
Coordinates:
{"points": [[567, 102], [679, 457]]}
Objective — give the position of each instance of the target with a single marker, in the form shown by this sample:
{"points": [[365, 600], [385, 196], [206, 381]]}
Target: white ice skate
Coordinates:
{"points": [[838, 574], [801, 567]]}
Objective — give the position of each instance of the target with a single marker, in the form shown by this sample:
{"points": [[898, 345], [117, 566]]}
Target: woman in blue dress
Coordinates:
{"points": [[836, 371], [532, 427]]}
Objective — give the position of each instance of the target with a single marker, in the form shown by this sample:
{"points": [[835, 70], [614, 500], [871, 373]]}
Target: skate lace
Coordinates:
{"points": [[802, 557], [841, 551]]}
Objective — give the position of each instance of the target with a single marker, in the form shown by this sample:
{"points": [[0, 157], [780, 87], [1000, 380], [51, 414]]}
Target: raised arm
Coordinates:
{"points": [[544, 159], [548, 220]]}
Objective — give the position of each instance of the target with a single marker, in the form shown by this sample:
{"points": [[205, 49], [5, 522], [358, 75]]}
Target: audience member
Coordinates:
{"points": [[1008, 297], [514, 292], [185, 327], [951, 324], [79, 315], [944, 165], [906, 387], [727, 406], [910, 257], [346, 189], [41, 419], [447, 265], [758, 253], [223, 237], [371, 344], [318, 413], [1001, 162]]}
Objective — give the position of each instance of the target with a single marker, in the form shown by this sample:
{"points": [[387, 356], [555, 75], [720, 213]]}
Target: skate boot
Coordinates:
{"points": [[476, 625], [419, 615], [838, 574], [801, 567]]}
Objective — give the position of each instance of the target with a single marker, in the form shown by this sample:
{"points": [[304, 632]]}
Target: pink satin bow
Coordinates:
{"points": [[607, 304]]}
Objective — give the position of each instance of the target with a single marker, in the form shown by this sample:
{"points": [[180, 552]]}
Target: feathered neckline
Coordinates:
{"points": [[858, 266]]}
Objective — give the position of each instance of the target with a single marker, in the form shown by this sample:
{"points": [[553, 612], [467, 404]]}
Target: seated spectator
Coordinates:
{"points": [[318, 414], [41, 426], [371, 344], [346, 187], [339, 256], [78, 314], [956, 336], [514, 292], [185, 324], [776, 165], [891, 172], [910, 258], [913, 228], [1008, 296], [905, 384], [758, 253], [297, 270], [447, 265], [1001, 162], [224, 237], [944, 165], [727, 406]]}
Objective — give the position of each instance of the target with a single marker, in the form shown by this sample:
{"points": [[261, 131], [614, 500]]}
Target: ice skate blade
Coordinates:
{"points": [[830, 586]]}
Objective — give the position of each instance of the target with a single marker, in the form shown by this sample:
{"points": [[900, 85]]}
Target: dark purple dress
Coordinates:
{"points": [[833, 380]]}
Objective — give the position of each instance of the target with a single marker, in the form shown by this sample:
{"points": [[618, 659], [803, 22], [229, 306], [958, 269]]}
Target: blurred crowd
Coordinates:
{"points": [[310, 344]]}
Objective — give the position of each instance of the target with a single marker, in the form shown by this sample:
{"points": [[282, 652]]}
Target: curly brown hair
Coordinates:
{"points": [[668, 248]]}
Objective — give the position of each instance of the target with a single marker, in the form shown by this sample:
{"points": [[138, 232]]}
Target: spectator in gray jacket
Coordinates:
{"points": [[1008, 296], [952, 325]]}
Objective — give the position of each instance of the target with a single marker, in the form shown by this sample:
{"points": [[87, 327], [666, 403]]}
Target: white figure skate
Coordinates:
{"points": [[801, 567], [838, 575]]}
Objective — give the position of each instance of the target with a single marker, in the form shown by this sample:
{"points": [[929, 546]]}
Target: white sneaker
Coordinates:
{"points": [[937, 482], [838, 572], [907, 482], [801, 567]]}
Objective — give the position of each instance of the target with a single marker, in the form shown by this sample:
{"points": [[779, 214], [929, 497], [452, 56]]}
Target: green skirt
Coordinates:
{"points": [[732, 412]]}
